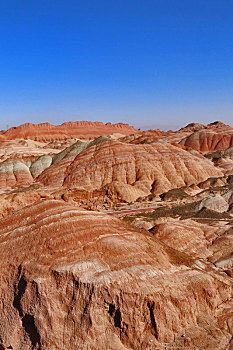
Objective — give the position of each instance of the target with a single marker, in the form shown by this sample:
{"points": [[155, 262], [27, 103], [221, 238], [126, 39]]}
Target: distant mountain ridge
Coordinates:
{"points": [[80, 129]]}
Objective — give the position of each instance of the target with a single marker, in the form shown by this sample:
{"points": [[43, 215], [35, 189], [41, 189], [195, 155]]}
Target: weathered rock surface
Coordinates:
{"points": [[211, 241], [225, 153], [74, 279], [188, 235], [16, 150], [228, 196], [77, 279], [20, 161], [81, 129], [223, 159], [130, 171], [147, 136], [216, 203], [210, 139], [18, 199], [14, 172], [40, 165], [193, 127]]}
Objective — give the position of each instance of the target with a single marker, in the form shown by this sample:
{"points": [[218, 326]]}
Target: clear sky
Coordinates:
{"points": [[150, 63]]}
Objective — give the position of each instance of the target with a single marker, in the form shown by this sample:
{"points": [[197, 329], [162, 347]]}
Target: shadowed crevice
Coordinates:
{"points": [[117, 319], [20, 290], [28, 321], [30, 327], [116, 314], [151, 306]]}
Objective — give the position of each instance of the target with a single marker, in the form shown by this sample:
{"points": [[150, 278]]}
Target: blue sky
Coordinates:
{"points": [[150, 63]]}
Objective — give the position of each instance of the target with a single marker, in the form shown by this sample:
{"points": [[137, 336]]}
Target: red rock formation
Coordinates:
{"points": [[81, 129], [20, 163], [18, 199], [146, 136], [218, 124], [212, 242], [215, 137], [14, 172], [193, 127], [73, 279], [130, 171], [189, 236], [15, 150]]}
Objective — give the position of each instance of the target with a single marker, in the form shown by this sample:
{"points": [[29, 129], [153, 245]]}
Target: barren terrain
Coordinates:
{"points": [[116, 238]]}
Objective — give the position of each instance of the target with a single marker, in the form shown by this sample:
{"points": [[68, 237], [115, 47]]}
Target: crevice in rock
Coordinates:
{"points": [[75, 288], [31, 329], [21, 287], [4, 348], [28, 321], [151, 306], [116, 314], [117, 319], [111, 309], [87, 305]]}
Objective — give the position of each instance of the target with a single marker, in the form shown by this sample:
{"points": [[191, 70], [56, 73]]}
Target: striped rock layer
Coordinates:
{"points": [[73, 279], [129, 170], [81, 129], [209, 140]]}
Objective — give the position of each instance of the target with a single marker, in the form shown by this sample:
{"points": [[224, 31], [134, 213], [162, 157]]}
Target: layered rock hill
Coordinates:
{"points": [[210, 241], [21, 162], [81, 129], [195, 239], [73, 279], [129, 170], [14, 172], [147, 136], [223, 159], [216, 136], [193, 127]]}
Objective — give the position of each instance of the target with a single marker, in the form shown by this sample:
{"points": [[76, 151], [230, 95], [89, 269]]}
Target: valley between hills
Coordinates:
{"points": [[114, 238]]}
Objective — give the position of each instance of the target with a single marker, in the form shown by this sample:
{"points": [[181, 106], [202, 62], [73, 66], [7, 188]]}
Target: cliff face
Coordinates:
{"points": [[129, 170], [76, 279], [81, 129]]}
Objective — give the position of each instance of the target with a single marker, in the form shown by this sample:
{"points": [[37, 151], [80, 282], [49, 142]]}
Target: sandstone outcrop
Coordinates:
{"points": [[14, 172], [81, 129], [40, 165], [17, 150], [193, 127], [228, 196], [188, 236], [223, 159], [18, 199], [147, 136], [216, 203], [129, 170], [20, 161], [212, 242], [210, 139], [72, 279], [225, 153]]}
